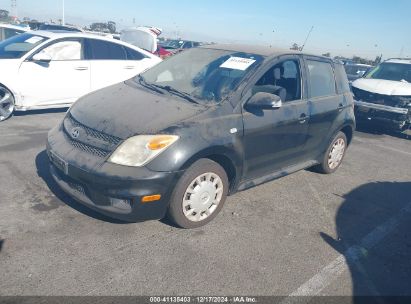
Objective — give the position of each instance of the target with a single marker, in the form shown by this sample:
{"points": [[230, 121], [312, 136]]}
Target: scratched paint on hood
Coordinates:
{"points": [[125, 110]]}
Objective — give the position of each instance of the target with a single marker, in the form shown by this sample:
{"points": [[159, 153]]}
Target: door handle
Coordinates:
{"points": [[303, 118], [129, 67], [81, 68], [340, 107]]}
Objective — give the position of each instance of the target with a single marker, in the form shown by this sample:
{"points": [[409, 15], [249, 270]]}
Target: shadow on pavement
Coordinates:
{"points": [[373, 233], [1, 244], [43, 171], [378, 130]]}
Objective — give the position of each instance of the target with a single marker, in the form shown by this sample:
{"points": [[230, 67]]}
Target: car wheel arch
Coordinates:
{"points": [[13, 92], [349, 133], [225, 158]]}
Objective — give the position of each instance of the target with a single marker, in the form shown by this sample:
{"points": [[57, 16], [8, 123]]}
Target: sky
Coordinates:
{"points": [[365, 28]]}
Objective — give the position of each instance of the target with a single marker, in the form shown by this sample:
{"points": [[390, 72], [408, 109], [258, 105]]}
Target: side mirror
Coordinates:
{"points": [[267, 101], [42, 57]]}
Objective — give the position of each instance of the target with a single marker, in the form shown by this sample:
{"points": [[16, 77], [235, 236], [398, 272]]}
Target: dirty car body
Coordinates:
{"points": [[383, 96], [206, 108]]}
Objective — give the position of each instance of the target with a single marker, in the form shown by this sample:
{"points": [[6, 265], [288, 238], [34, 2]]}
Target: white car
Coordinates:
{"points": [[42, 69], [10, 30], [383, 95]]}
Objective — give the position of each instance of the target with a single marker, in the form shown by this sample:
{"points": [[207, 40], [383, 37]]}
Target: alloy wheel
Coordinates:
{"points": [[6, 103]]}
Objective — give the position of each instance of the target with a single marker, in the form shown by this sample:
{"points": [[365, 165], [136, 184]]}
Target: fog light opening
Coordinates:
{"points": [[123, 204]]}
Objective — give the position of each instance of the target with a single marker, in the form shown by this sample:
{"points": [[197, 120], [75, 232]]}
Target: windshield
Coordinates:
{"points": [[207, 75], [391, 71], [18, 46]]}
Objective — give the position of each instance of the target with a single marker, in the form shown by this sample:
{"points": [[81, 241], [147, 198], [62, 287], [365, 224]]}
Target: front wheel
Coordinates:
{"points": [[334, 155], [199, 195], [6, 103]]}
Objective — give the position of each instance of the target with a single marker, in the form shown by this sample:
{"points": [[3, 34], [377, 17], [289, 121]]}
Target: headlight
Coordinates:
{"points": [[139, 150]]}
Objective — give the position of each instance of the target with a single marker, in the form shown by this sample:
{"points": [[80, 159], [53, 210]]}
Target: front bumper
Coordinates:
{"points": [[110, 189], [391, 117]]}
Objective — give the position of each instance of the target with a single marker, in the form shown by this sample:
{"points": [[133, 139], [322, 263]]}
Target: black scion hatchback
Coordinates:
{"points": [[179, 138]]}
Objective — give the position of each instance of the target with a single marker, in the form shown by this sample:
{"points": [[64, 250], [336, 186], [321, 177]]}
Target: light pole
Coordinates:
{"points": [[64, 18]]}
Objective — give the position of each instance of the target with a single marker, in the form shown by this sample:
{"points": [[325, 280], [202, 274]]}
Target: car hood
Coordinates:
{"points": [[126, 109], [383, 87]]}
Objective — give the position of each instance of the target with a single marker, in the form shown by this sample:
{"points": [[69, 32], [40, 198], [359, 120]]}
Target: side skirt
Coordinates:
{"points": [[55, 106], [281, 173]]}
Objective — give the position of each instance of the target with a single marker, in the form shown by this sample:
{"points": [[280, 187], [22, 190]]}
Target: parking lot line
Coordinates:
{"points": [[315, 285], [393, 149]]}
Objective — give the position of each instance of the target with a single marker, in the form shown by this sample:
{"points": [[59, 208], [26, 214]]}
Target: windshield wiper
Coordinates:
{"points": [[147, 85], [181, 94]]}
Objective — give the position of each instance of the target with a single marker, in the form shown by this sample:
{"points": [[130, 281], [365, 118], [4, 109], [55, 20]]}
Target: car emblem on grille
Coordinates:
{"points": [[75, 133]]}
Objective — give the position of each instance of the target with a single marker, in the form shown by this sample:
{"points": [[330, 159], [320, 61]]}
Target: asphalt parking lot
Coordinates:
{"points": [[305, 234]]}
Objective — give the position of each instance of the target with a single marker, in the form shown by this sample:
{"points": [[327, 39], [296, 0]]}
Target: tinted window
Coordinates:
{"points": [[134, 55], [104, 50], [64, 50], [10, 33], [342, 80], [283, 79], [321, 78], [187, 45]]}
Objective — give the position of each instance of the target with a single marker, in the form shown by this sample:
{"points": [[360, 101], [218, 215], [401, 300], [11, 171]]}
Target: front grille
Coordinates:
{"points": [[89, 140], [87, 148], [388, 100], [113, 140]]}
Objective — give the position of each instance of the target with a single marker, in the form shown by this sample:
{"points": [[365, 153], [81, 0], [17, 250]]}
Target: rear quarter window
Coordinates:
{"points": [[321, 79], [342, 80]]}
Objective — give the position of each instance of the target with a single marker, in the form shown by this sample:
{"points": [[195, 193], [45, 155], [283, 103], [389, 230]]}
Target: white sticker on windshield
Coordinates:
{"points": [[34, 39], [237, 63]]}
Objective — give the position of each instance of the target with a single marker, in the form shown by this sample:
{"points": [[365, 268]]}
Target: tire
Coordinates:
{"points": [[338, 147], [6, 103], [199, 195]]}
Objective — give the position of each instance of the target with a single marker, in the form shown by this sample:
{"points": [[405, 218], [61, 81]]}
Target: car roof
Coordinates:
{"points": [[258, 50], [399, 60], [53, 34], [56, 34], [14, 27]]}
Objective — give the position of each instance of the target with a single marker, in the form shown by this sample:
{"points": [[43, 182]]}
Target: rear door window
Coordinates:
{"points": [[104, 50], [321, 78], [342, 80]]}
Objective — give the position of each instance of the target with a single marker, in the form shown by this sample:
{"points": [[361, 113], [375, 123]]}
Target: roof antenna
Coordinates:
{"points": [[306, 39]]}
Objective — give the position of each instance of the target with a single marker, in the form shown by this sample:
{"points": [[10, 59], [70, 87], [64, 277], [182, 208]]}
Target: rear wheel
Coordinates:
{"points": [[199, 195], [334, 155], [6, 103]]}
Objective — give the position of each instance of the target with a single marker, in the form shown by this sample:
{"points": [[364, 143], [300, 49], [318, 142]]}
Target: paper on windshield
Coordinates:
{"points": [[238, 63], [34, 39]]}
